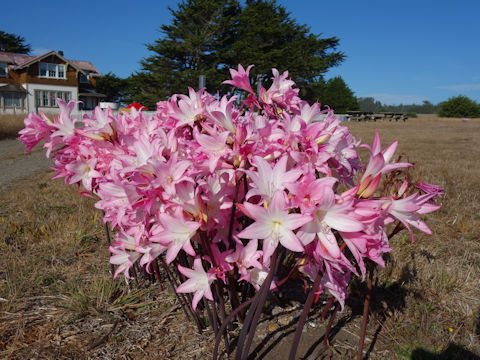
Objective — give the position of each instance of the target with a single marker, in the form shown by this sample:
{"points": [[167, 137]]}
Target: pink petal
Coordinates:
{"points": [[290, 241], [256, 231], [343, 222]]}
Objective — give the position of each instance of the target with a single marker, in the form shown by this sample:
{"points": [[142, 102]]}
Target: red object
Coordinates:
{"points": [[137, 106]]}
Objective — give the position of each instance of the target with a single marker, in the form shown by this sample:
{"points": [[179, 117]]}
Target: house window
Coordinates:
{"points": [[13, 99], [83, 78], [45, 98], [43, 69], [53, 95], [51, 71], [61, 71], [3, 69]]}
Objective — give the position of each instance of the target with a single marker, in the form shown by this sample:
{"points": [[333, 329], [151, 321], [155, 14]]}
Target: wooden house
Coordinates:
{"points": [[32, 83]]}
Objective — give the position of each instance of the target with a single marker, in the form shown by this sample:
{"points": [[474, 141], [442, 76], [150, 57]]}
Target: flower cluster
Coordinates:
{"points": [[225, 184]]}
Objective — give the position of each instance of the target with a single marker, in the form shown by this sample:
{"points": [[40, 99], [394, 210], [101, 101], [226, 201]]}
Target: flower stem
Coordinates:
{"points": [[330, 323], [303, 317], [365, 312], [253, 313]]}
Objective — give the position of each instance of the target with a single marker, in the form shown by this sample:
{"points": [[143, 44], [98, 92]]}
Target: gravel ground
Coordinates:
{"points": [[16, 165]]}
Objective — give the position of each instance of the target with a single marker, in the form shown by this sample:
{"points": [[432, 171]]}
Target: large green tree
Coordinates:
{"points": [[197, 42], [112, 86], [269, 37], [13, 43], [338, 96], [209, 36]]}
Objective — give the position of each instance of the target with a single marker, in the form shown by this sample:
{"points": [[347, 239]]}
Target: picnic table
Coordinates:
{"points": [[370, 116], [395, 116]]}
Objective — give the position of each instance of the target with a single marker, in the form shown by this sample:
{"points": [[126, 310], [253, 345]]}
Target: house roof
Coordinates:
{"points": [[19, 61], [13, 88]]}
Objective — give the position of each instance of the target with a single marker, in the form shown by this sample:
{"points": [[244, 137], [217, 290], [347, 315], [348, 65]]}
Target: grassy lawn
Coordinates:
{"points": [[10, 125], [57, 300]]}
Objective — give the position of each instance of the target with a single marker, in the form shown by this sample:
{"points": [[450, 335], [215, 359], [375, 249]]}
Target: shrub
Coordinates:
{"points": [[459, 106]]}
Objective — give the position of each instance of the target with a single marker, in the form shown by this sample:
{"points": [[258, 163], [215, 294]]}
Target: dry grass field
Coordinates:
{"points": [[10, 125], [57, 300]]}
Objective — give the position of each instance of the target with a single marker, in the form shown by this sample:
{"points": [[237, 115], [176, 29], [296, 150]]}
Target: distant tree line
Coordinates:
{"points": [[458, 106], [371, 105]]}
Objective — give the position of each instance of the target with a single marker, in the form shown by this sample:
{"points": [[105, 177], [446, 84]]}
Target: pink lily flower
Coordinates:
{"points": [[176, 234], [330, 215], [240, 79], [223, 113], [406, 211], [274, 225], [378, 164], [430, 188], [116, 200], [257, 277], [36, 129], [268, 180], [308, 192], [124, 259], [150, 252], [336, 284], [64, 124], [198, 282], [84, 171], [190, 108], [214, 146], [281, 91], [246, 257], [310, 114], [170, 173]]}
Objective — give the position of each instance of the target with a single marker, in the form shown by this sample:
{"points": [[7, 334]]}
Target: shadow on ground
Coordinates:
{"points": [[452, 352], [386, 299]]}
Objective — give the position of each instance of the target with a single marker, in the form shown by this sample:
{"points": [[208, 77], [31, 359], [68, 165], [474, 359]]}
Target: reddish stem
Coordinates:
{"points": [[330, 323], [303, 317], [325, 310], [365, 313]]}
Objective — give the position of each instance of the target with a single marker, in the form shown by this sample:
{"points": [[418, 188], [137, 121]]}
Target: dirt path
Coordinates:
{"points": [[16, 165]]}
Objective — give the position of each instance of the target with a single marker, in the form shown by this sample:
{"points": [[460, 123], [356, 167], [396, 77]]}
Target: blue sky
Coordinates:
{"points": [[397, 51]]}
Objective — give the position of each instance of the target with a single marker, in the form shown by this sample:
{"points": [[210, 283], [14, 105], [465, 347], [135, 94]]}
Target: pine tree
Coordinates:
{"points": [[13, 43], [112, 86], [207, 37], [338, 96], [197, 42], [269, 37]]}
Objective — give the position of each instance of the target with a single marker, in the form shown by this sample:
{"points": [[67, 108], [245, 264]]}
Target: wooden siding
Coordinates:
{"points": [[93, 81], [30, 75], [12, 78]]}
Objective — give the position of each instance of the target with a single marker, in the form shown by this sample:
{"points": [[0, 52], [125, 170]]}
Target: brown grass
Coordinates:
{"points": [[57, 300], [10, 125], [440, 274]]}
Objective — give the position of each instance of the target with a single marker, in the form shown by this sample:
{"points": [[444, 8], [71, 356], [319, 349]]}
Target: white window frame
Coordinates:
{"points": [[12, 96], [51, 70], [46, 98], [3, 66]]}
